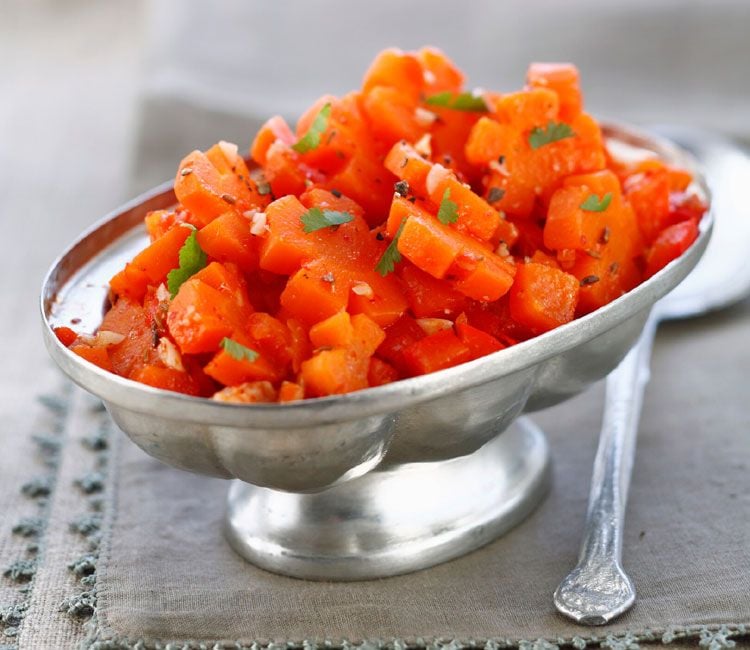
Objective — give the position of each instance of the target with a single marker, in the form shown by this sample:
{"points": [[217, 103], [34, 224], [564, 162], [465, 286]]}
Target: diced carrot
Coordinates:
{"points": [[428, 244], [363, 179], [526, 109], [543, 297], [208, 184], [334, 331], [440, 74], [200, 317], [475, 216], [274, 129], [166, 379], [291, 392], [158, 222], [344, 132], [397, 69], [286, 246], [151, 265], [404, 162], [330, 373], [436, 352], [563, 79], [311, 297], [229, 371], [391, 115], [228, 239], [489, 280], [488, 140], [227, 279], [94, 354]]}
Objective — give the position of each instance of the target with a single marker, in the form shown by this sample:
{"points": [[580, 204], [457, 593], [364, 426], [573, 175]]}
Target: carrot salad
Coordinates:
{"points": [[403, 228]]}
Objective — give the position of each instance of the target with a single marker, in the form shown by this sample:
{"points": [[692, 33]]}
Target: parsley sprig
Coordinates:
{"points": [[594, 204], [311, 139], [448, 210], [391, 256], [237, 350], [316, 219], [461, 102], [553, 132], [192, 259]]}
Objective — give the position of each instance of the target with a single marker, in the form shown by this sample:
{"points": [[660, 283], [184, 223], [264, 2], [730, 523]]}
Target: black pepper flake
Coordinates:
{"points": [[154, 335], [405, 163], [412, 199], [589, 279], [447, 159], [336, 193], [401, 188], [229, 199], [604, 237], [331, 136], [186, 171], [501, 160], [614, 267], [495, 194], [328, 277], [380, 236]]}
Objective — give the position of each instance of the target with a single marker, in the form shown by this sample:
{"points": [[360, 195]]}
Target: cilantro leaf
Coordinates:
{"points": [[311, 139], [237, 350], [448, 211], [461, 102], [594, 204], [553, 132], [315, 219], [192, 259], [391, 256]]}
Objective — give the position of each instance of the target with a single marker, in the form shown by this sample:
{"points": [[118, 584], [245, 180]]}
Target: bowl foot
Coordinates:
{"points": [[394, 520]]}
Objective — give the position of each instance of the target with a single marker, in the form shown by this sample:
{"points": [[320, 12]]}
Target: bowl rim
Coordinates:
{"points": [[393, 397]]}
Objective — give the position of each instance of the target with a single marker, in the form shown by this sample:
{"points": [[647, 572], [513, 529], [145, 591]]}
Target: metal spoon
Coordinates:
{"points": [[598, 590]]}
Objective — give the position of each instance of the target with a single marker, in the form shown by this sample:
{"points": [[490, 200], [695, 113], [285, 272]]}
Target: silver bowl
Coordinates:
{"points": [[377, 482]]}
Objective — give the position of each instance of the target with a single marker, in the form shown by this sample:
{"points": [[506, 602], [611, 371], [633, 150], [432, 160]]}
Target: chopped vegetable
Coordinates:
{"points": [[400, 229]]}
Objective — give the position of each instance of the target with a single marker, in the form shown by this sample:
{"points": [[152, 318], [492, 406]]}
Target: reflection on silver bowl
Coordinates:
{"points": [[381, 481]]}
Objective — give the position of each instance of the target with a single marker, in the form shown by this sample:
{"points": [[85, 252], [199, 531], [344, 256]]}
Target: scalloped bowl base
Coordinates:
{"points": [[393, 520]]}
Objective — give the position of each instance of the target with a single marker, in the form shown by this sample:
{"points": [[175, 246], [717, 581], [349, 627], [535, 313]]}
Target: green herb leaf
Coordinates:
{"points": [[448, 211], [237, 350], [315, 219], [192, 259], [391, 256], [462, 102], [553, 132], [311, 139], [594, 204]]}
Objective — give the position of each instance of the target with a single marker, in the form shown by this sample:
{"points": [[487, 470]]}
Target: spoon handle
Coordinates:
{"points": [[598, 589]]}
